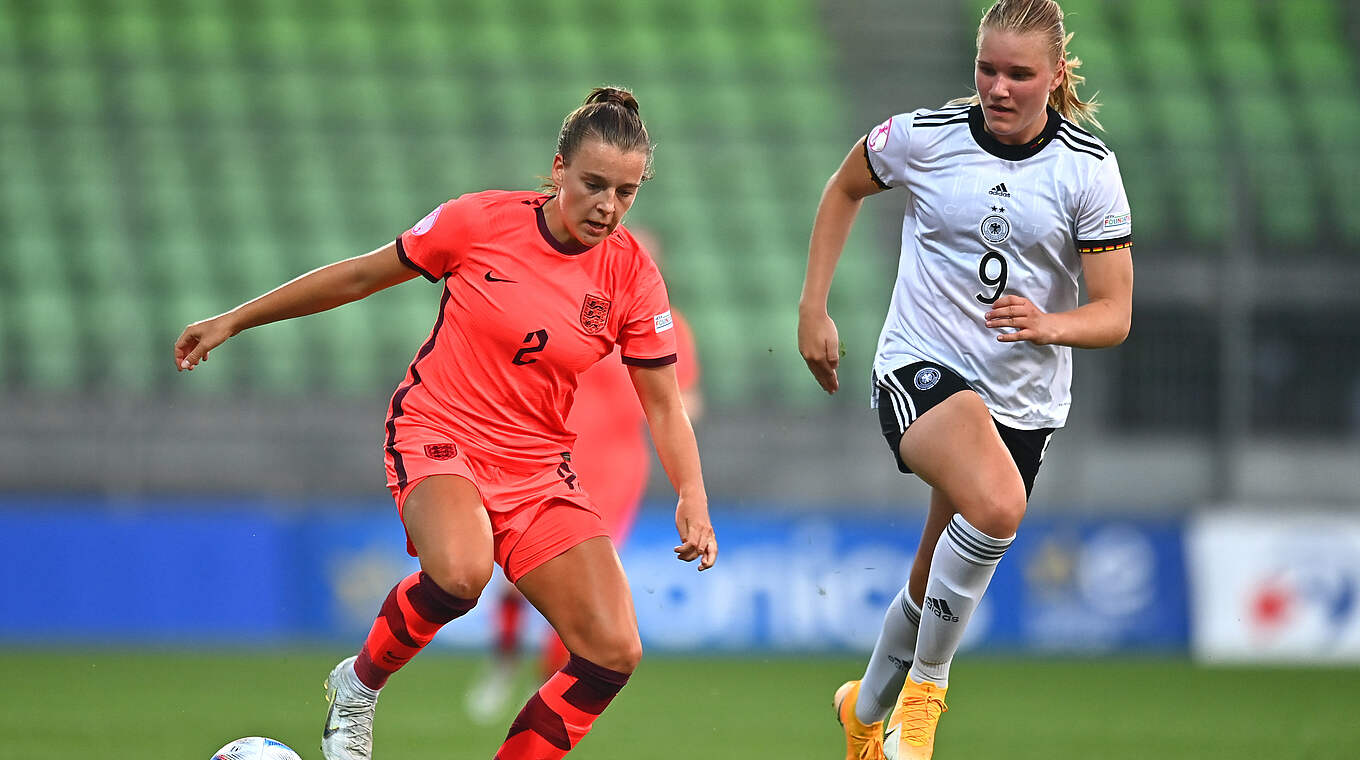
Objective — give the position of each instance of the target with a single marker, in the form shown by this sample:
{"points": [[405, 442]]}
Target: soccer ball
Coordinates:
{"points": [[256, 748]]}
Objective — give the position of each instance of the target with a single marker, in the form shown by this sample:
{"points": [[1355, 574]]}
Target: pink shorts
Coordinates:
{"points": [[537, 509]]}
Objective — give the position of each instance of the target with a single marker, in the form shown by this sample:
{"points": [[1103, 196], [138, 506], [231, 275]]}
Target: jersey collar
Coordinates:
{"points": [[572, 248], [987, 142]]}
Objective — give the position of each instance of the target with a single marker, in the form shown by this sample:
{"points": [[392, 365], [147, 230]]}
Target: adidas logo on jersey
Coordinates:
{"points": [[1000, 190]]}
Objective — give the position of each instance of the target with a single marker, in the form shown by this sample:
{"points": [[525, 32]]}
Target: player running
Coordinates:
{"points": [[536, 288], [1009, 203]]}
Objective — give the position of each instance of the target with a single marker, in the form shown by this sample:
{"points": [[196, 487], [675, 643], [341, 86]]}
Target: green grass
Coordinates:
{"points": [[63, 706]]}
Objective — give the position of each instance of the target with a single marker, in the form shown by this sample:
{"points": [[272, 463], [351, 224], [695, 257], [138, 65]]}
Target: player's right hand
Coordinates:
{"points": [[198, 339], [698, 541], [820, 345]]}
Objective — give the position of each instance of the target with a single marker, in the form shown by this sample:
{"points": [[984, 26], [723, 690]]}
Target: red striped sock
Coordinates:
{"points": [[562, 711], [410, 616]]}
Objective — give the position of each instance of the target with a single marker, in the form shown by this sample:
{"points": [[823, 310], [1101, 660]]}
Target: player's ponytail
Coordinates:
{"points": [[610, 114], [1042, 17]]}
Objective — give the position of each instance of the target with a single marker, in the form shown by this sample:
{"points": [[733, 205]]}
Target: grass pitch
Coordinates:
{"points": [[82, 704]]}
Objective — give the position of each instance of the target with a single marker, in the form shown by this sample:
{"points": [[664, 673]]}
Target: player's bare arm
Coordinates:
{"points": [[818, 340], [673, 436], [320, 289], [1101, 322]]}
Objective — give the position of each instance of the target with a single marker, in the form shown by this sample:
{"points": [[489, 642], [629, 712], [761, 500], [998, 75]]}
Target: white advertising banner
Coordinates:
{"points": [[1274, 587]]}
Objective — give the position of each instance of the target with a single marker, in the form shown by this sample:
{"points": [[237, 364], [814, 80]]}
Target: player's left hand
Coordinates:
{"points": [[1030, 324], [698, 540]]}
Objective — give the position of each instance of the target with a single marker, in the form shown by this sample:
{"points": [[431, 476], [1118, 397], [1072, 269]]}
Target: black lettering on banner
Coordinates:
{"points": [[998, 282], [537, 335]]}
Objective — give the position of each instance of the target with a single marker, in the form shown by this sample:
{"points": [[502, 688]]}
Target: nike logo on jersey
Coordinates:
{"points": [[493, 278]]}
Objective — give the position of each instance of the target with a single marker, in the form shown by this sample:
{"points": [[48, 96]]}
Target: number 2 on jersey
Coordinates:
{"points": [[541, 338], [998, 282]]}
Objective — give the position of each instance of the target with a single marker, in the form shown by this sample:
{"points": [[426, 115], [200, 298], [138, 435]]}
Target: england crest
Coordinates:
{"points": [[441, 451], [594, 313]]}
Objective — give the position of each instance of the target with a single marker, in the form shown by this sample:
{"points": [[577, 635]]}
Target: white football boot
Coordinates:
{"points": [[348, 734]]}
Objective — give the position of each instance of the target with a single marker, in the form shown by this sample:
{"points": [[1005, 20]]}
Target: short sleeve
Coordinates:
{"points": [[647, 337], [886, 148], [436, 245], [1103, 220]]}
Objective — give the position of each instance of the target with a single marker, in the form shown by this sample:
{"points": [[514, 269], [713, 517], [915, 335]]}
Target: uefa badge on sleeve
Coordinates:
{"points": [[878, 138], [425, 225]]}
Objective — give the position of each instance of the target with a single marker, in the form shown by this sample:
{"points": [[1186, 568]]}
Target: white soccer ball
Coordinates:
{"points": [[256, 748]]}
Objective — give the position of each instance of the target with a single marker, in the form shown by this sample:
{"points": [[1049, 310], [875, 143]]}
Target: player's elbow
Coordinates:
{"points": [[1118, 332]]}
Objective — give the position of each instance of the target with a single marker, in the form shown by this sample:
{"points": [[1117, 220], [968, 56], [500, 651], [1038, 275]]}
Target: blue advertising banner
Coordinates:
{"points": [[258, 573]]}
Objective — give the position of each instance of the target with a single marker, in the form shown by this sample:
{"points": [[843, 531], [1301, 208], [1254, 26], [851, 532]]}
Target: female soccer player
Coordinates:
{"points": [[1009, 202], [612, 460], [536, 289]]}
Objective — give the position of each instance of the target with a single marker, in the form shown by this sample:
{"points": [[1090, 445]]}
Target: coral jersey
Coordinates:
{"points": [[521, 316]]}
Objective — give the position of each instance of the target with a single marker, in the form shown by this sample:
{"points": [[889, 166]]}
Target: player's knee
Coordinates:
{"points": [[623, 654], [617, 649], [461, 578], [999, 512]]}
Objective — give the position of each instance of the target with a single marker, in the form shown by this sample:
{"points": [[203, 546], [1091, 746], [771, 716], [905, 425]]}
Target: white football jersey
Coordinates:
{"points": [[985, 219]]}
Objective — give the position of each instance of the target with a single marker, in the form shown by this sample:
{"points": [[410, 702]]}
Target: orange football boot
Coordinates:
{"points": [[862, 742], [911, 727]]}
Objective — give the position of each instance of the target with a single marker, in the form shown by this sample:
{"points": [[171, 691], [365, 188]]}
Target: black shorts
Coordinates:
{"points": [[913, 390]]}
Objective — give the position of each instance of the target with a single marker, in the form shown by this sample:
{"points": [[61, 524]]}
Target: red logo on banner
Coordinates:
{"points": [[594, 313], [441, 451]]}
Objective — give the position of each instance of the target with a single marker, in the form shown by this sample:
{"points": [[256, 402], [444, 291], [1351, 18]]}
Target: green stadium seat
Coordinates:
{"points": [[1231, 19], [1188, 119], [1332, 121], [1318, 65], [1157, 18], [135, 34], [1310, 20], [254, 142], [149, 94], [1287, 202], [1102, 63], [129, 346], [1124, 118], [76, 94], [1196, 176], [205, 36], [1142, 175], [1169, 64], [62, 30], [1265, 119], [1243, 65], [347, 348], [49, 339], [1077, 14], [281, 357]]}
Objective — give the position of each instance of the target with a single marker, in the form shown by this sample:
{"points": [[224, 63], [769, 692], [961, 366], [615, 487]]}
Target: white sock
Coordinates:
{"points": [[892, 656], [962, 566], [353, 682]]}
